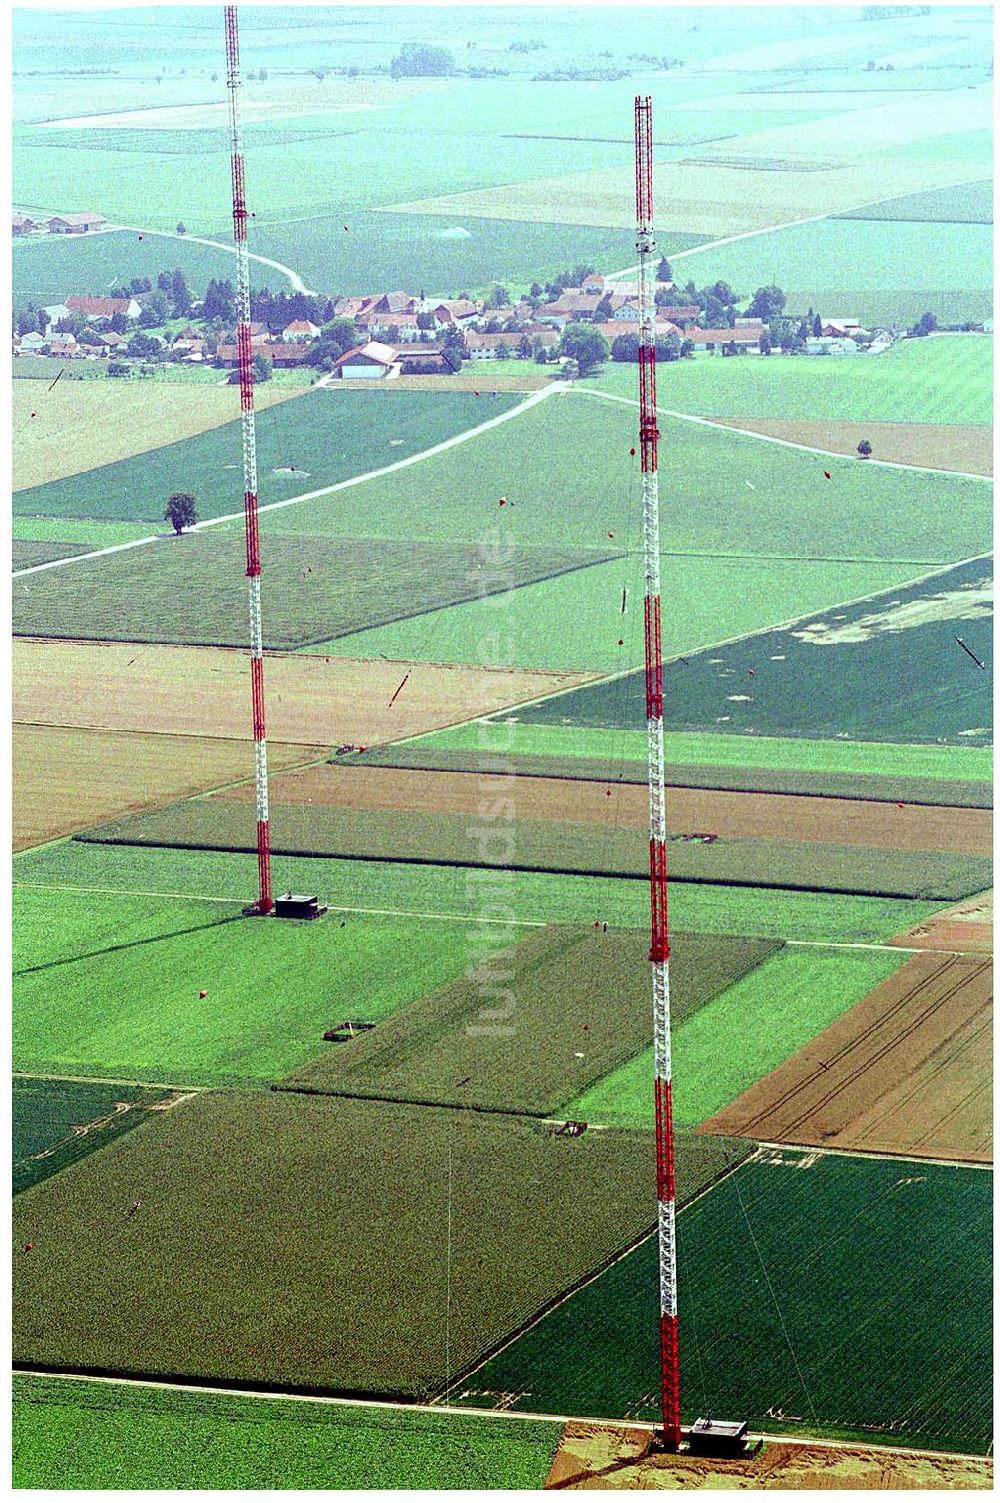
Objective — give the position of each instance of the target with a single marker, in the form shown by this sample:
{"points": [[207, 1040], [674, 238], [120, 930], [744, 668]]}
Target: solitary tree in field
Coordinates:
{"points": [[585, 345], [181, 512], [262, 367], [865, 449]]}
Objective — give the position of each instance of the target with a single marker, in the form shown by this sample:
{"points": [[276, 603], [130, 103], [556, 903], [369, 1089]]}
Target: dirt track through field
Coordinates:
{"points": [[205, 691], [68, 779], [965, 832], [934, 446], [908, 1070]]}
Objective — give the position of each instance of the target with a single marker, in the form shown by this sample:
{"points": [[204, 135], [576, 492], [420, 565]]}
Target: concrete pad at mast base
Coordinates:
{"points": [[592, 1456], [205, 691]]}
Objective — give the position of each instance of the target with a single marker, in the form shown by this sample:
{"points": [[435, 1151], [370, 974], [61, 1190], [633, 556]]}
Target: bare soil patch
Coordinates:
{"points": [[837, 821], [908, 1070], [205, 691], [939, 446], [67, 779], [612, 1456], [968, 928]]}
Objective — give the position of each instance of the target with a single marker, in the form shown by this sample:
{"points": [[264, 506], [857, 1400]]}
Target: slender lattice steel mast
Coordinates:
{"points": [[659, 952], [264, 902]]}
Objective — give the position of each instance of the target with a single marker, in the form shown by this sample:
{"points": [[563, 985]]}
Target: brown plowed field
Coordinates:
{"points": [[68, 779], [968, 928], [908, 1070], [965, 832], [618, 1456], [939, 446], [205, 691]]}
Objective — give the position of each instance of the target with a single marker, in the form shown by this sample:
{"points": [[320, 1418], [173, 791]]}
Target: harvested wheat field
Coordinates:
{"points": [[618, 1456], [205, 691], [905, 1071], [966, 832], [967, 929], [66, 779], [938, 446]]}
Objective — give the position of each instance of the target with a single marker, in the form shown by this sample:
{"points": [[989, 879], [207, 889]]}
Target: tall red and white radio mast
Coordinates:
{"points": [[659, 952], [264, 902]]}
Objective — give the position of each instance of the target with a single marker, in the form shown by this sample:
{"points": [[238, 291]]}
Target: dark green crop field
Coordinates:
{"points": [[835, 1295], [27, 552], [301, 1240], [303, 445], [424, 755], [56, 1122], [92, 1435], [524, 1031], [579, 848], [886, 669], [192, 588]]}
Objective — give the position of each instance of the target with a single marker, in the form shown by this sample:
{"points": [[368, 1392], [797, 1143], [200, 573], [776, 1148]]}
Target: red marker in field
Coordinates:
{"points": [[29, 1247], [610, 534], [202, 996], [632, 453], [621, 641], [503, 500], [900, 806], [827, 474], [752, 672]]}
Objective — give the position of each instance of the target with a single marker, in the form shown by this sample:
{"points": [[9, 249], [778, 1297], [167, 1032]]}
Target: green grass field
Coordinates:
{"points": [[742, 1035], [575, 623], [303, 445], [109, 984], [423, 250], [610, 769], [50, 268], [192, 588], [101, 1435], [430, 891], [565, 469], [946, 380], [69, 533], [507, 734], [780, 1267], [27, 554], [294, 1239], [967, 203], [521, 1033], [56, 1122], [883, 271], [829, 677], [582, 848]]}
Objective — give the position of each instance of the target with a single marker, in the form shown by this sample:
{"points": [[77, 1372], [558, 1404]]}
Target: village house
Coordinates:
{"points": [[592, 283], [682, 314], [424, 360], [351, 307], [75, 224], [459, 311], [369, 362], [20, 224], [615, 327], [398, 328], [64, 347], [493, 346], [31, 343], [395, 302], [746, 339], [840, 328], [568, 308], [299, 331], [832, 346], [96, 308], [55, 313], [281, 356]]}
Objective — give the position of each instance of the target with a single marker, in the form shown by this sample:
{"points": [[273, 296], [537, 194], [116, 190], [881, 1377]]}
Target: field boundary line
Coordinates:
{"points": [[134, 892], [877, 1153], [783, 443], [296, 281], [789, 224], [152, 1085], [747, 636], [415, 1407], [340, 485]]}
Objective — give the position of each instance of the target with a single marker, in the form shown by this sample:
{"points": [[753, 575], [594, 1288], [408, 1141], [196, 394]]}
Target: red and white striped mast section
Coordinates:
{"points": [[264, 901], [659, 952]]}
